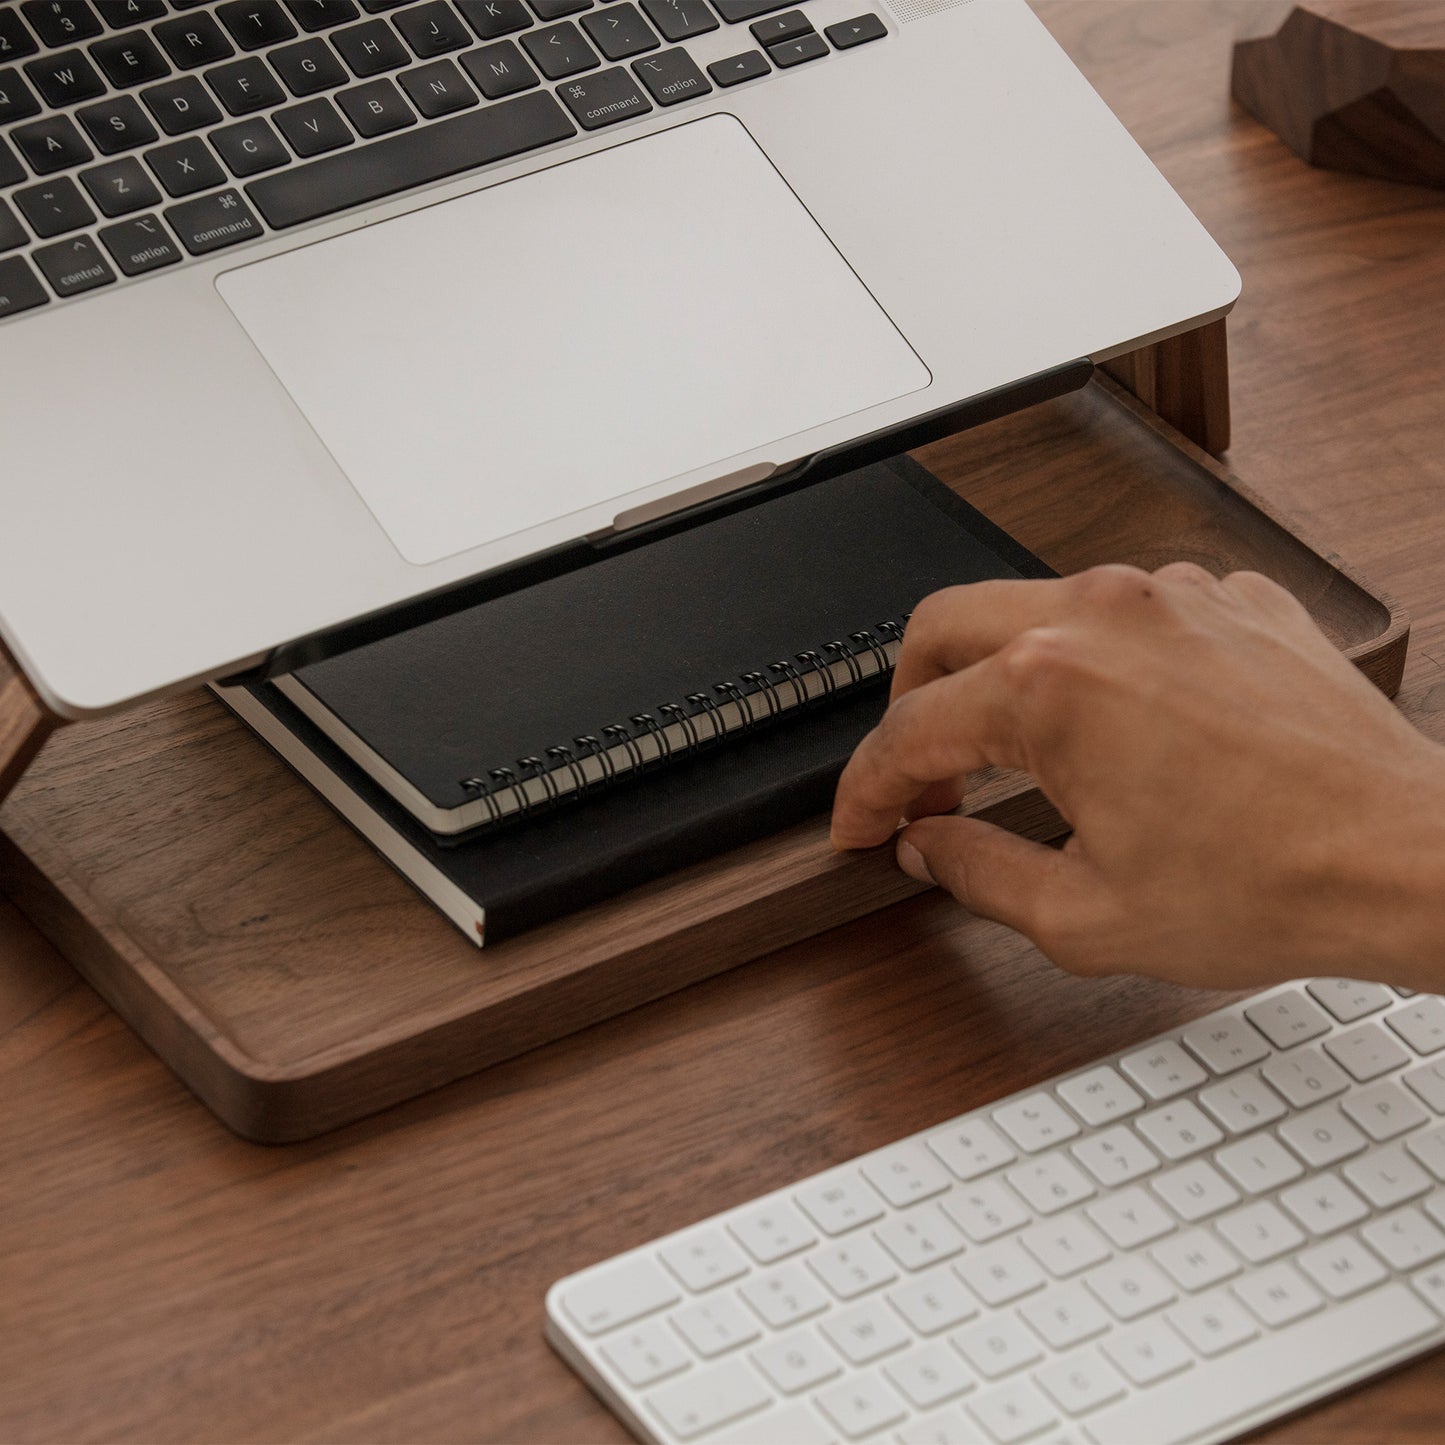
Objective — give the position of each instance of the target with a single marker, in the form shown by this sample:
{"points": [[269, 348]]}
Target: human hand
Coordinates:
{"points": [[1245, 806]]}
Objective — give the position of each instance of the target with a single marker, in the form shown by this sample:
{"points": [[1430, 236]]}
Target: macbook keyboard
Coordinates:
{"points": [[135, 134]]}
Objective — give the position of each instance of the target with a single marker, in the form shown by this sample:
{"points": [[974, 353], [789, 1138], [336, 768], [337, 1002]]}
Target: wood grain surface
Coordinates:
{"points": [[164, 1281], [24, 723]]}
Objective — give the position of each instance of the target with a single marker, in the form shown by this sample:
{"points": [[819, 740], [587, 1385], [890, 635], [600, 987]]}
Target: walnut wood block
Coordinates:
{"points": [[295, 983], [1184, 380], [1354, 85], [24, 723]]}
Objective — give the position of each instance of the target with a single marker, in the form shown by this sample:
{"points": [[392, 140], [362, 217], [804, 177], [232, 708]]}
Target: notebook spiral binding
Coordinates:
{"points": [[673, 731]]}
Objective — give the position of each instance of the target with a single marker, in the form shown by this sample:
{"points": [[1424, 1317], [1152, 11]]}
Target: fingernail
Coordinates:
{"points": [[911, 861]]}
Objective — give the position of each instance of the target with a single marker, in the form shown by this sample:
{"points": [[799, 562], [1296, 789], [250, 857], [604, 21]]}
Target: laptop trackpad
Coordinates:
{"points": [[518, 354]]}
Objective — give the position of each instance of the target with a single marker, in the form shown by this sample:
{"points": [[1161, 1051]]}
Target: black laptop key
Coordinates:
{"points": [[556, 9], [11, 171], [256, 23], [12, 233], [16, 41], [375, 108], [620, 31], [74, 266], [54, 208], [130, 59], [117, 124], [370, 48], [120, 13], [181, 105], [192, 40], [64, 77], [313, 15], [411, 158], [313, 127], [211, 223], [378, 5], [244, 86], [249, 147], [848, 33], [737, 68], [499, 70], [492, 18], [20, 288], [672, 76], [787, 26], [51, 144], [438, 89], [680, 19], [140, 245], [433, 29], [186, 166], [120, 187], [61, 22], [309, 67], [604, 98], [736, 11], [560, 50], [795, 52], [17, 100]]}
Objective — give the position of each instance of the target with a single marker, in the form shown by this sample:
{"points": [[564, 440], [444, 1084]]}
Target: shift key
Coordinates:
{"points": [[210, 223]]}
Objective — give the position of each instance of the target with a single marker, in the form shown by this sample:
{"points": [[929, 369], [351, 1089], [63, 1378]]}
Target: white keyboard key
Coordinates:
{"points": [[1404, 1239], [1064, 1316], [1349, 1000], [1322, 1136], [1242, 1103], [1130, 1217], [853, 1268], [934, 1301], [1278, 1294], [797, 1361], [1116, 1156], [1225, 1043], [1384, 1110], [1387, 1177], [1178, 1130], [1435, 1206], [1366, 1051], [840, 1202], [1306, 1077], [1196, 1259], [1000, 1272], [1065, 1245], [1213, 1322], [1429, 1149], [1162, 1070], [1130, 1287], [1260, 1232], [1012, 1412], [943, 1427], [1287, 1019], [1422, 1025], [784, 1296], [866, 1332], [620, 1294], [798, 1424], [1277, 1367], [1145, 1353], [1050, 1183], [985, 1210], [704, 1260], [929, 1375], [862, 1404], [772, 1231], [1324, 1203], [1036, 1122], [1195, 1190], [1099, 1096], [905, 1174], [1260, 1164], [646, 1354], [715, 1326], [1342, 1268], [704, 1399], [1082, 1382], [919, 1238], [1430, 1285], [971, 1148], [997, 1347], [1428, 1081]]}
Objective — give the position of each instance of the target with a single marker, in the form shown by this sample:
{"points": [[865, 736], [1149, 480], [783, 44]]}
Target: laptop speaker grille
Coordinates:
{"points": [[908, 10]]}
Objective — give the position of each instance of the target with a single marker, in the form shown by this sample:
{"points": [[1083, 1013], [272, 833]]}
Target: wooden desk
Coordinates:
{"points": [[162, 1281]]}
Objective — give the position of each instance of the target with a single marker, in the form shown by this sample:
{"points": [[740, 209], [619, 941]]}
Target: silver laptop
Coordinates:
{"points": [[312, 309]]}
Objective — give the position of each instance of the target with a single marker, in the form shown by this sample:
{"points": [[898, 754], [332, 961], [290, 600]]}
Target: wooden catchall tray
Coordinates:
{"points": [[296, 983]]}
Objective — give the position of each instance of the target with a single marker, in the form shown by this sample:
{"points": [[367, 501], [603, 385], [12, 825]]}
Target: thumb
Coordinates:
{"points": [[992, 872]]}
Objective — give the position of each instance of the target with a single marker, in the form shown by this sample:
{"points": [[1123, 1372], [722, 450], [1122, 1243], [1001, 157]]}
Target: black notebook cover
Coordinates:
{"points": [[921, 537]]}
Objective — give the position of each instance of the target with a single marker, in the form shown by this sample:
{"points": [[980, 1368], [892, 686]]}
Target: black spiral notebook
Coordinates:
{"points": [[557, 745]]}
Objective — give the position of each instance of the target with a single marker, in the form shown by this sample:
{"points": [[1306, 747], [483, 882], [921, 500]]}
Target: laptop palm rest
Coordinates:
{"points": [[519, 354]]}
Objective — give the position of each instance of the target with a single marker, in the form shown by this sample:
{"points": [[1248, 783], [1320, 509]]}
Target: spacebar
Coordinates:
{"points": [[1223, 1391], [412, 158]]}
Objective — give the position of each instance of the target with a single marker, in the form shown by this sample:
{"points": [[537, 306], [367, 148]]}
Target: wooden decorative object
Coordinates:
{"points": [[1354, 85], [295, 983], [24, 723]]}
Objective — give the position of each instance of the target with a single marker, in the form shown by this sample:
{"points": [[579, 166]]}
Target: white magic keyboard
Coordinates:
{"points": [[1195, 1237]]}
